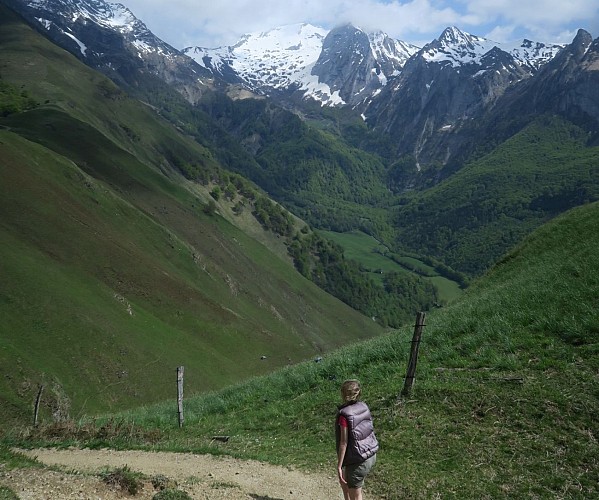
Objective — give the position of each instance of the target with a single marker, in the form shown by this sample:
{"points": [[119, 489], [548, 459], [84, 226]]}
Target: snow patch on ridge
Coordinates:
{"points": [[82, 46], [113, 17], [44, 22]]}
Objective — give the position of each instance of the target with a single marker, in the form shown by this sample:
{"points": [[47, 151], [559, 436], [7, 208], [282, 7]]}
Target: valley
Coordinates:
{"points": [[272, 216], [377, 261]]}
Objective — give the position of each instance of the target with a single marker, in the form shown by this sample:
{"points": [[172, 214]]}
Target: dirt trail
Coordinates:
{"points": [[201, 476]]}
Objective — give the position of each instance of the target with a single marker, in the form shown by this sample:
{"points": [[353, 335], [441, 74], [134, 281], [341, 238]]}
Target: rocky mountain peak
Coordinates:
{"points": [[456, 47], [108, 37], [347, 64], [337, 67], [582, 41], [391, 54], [454, 36]]}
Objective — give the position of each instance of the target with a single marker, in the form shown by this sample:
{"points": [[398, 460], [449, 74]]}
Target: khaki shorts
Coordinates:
{"points": [[354, 474]]}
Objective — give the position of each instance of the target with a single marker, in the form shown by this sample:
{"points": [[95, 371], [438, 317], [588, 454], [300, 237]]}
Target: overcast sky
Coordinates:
{"points": [[214, 23]]}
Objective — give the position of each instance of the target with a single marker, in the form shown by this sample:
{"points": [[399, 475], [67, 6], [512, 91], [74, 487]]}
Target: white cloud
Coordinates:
{"points": [[221, 22], [543, 20], [554, 12]]}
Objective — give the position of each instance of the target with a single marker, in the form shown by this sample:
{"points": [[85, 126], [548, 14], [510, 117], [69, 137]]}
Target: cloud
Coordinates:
{"points": [[221, 22], [544, 20], [554, 12]]}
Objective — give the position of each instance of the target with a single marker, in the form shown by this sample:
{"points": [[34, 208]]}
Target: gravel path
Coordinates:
{"points": [[201, 476]]}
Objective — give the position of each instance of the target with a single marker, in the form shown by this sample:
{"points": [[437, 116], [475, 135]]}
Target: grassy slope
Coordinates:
{"points": [[505, 402], [112, 275]]}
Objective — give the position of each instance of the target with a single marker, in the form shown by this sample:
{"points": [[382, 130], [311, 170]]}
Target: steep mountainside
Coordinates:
{"points": [[115, 268], [108, 37], [568, 86], [448, 83], [474, 216]]}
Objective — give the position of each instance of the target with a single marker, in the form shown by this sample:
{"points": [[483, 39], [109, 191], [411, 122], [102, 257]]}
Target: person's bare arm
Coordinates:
{"points": [[341, 454]]}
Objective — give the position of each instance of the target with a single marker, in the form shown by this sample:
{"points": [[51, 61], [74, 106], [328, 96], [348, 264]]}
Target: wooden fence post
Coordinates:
{"points": [[37, 405], [180, 394], [411, 372]]}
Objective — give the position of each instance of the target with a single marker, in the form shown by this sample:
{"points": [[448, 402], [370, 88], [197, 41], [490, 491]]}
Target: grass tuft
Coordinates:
{"points": [[171, 494], [124, 479], [7, 494]]}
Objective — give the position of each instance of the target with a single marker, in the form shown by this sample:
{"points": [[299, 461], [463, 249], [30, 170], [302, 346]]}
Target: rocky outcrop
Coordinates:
{"points": [[446, 84], [347, 65], [356, 64]]}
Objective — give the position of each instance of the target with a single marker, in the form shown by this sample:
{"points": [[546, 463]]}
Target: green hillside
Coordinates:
{"points": [[505, 403], [480, 212], [115, 267], [466, 220]]}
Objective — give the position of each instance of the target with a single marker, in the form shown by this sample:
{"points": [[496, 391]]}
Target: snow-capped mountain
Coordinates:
{"points": [[348, 66], [460, 48], [422, 98], [111, 16], [461, 90], [331, 66], [345, 66], [535, 54], [568, 85], [108, 37]]}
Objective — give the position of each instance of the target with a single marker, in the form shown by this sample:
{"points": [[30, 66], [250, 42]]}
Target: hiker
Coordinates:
{"points": [[356, 442]]}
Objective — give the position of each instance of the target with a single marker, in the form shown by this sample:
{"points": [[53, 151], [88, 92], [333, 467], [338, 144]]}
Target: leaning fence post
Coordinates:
{"points": [[36, 409], [411, 371], [180, 394]]}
